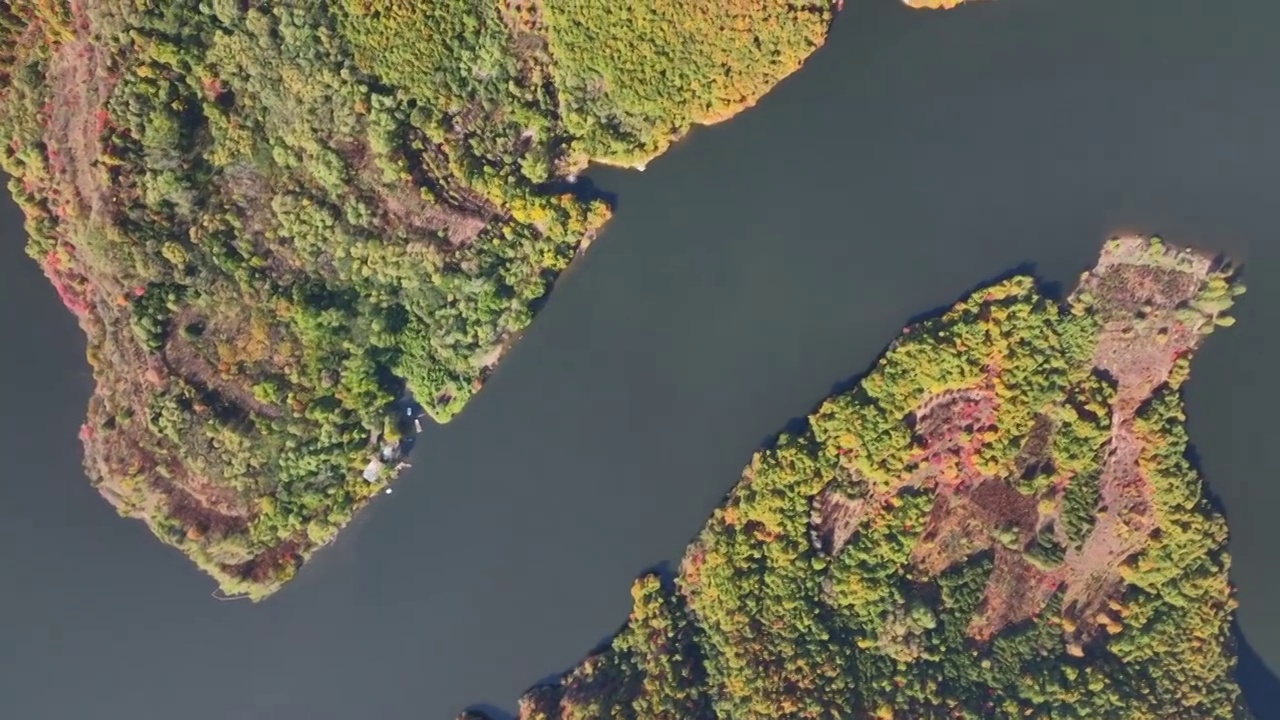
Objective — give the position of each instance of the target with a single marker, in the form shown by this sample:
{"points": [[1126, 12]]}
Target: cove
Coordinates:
{"points": [[747, 272]]}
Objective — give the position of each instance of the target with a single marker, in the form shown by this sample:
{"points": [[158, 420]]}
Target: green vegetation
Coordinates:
{"points": [[282, 224], [634, 76], [1024, 536]]}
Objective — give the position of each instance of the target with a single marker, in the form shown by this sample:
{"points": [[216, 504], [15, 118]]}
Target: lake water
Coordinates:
{"points": [[757, 265]]}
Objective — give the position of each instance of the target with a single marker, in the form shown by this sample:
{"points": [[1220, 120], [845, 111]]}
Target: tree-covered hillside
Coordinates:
{"points": [[999, 521], [281, 225]]}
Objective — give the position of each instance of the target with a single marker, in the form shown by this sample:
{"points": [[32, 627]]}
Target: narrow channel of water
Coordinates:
{"points": [[757, 265]]}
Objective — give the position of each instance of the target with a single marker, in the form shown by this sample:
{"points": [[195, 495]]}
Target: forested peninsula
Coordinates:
{"points": [[288, 228], [998, 521]]}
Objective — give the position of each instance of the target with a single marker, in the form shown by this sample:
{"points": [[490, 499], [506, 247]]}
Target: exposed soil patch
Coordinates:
{"points": [[185, 361], [835, 520], [406, 208], [1138, 293], [954, 533], [524, 19], [1125, 520], [200, 519], [430, 169], [1001, 506], [81, 83], [268, 565], [1141, 292], [1035, 455], [403, 206], [947, 427], [1016, 591]]}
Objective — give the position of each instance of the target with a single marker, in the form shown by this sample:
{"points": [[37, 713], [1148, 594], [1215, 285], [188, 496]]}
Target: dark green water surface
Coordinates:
{"points": [[746, 273]]}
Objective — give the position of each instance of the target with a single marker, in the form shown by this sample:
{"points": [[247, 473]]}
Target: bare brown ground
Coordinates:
{"points": [[406, 208], [524, 18], [937, 412], [835, 519], [1016, 591], [81, 84], [958, 526], [954, 532], [1137, 293], [1036, 453], [403, 206], [201, 517], [1000, 505], [962, 524], [1125, 520], [267, 565], [144, 484], [1142, 335], [185, 361], [1139, 344], [945, 425]]}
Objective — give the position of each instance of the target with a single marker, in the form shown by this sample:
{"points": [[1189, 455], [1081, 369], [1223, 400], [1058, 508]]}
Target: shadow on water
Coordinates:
{"points": [[1261, 686], [1047, 287], [666, 572], [485, 711], [582, 187], [1051, 289]]}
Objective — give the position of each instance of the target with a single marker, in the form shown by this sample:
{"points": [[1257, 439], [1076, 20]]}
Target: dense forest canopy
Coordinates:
{"points": [[999, 521], [289, 228], [285, 227]]}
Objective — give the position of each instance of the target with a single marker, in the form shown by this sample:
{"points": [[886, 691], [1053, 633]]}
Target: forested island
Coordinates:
{"points": [[998, 521], [288, 228]]}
